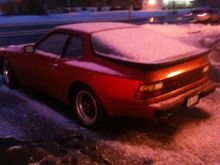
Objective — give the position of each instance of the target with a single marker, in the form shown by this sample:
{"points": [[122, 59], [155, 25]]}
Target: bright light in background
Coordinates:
{"points": [[151, 20], [152, 2], [188, 2]]}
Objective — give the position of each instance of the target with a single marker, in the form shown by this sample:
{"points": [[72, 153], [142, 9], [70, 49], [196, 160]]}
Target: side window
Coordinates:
{"points": [[74, 48], [54, 43]]}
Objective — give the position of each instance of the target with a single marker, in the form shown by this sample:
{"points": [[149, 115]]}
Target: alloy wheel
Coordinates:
{"points": [[86, 107], [6, 72]]}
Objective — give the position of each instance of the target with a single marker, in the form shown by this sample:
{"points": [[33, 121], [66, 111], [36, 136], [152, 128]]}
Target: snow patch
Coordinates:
{"points": [[192, 34]]}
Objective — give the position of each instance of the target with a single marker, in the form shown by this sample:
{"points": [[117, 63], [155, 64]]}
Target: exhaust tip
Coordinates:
{"points": [[163, 115], [169, 116]]}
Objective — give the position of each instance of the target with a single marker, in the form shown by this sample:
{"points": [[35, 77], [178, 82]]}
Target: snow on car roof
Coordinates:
{"points": [[141, 45], [96, 26]]}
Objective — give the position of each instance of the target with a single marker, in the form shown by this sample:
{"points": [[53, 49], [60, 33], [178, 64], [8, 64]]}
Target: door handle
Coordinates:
{"points": [[53, 65]]}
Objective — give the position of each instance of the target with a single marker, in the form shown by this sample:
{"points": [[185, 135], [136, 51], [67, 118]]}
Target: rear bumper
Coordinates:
{"points": [[202, 90], [136, 108]]}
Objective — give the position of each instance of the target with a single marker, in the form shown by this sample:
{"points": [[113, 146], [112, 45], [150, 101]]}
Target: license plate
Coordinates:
{"points": [[192, 100]]}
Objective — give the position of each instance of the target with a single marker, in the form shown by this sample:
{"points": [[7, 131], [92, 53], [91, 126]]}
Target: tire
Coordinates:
{"points": [[8, 74], [87, 108]]}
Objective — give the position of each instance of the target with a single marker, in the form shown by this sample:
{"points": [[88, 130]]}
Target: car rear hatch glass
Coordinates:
{"points": [[141, 45]]}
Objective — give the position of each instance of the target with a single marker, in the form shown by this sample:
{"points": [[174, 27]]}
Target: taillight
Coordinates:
{"points": [[151, 87], [149, 90]]}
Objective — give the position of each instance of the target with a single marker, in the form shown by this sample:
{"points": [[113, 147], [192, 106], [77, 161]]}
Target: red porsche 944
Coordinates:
{"points": [[110, 69]]}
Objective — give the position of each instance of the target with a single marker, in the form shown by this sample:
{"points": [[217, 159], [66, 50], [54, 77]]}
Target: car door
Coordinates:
{"points": [[44, 66], [65, 74]]}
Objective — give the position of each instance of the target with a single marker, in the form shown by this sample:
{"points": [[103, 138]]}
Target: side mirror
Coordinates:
{"points": [[29, 48]]}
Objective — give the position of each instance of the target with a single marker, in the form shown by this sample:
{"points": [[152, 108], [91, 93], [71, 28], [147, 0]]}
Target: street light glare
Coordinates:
{"points": [[152, 2]]}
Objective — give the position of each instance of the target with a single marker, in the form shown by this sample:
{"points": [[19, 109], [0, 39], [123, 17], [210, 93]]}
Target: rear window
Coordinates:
{"points": [[139, 45]]}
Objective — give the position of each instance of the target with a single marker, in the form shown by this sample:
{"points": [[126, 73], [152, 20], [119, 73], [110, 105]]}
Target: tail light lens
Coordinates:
{"points": [[151, 87], [149, 90]]}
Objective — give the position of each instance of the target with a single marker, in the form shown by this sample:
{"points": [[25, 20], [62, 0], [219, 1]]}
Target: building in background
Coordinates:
{"points": [[178, 4], [23, 7], [208, 3], [116, 4], [20, 6], [123, 4], [167, 4]]}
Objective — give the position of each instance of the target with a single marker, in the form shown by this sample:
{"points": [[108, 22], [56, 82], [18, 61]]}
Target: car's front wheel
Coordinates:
{"points": [[87, 108], [9, 77]]}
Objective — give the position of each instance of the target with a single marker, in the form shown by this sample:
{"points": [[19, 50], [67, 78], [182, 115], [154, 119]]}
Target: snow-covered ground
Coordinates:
{"points": [[67, 18], [80, 17], [193, 34]]}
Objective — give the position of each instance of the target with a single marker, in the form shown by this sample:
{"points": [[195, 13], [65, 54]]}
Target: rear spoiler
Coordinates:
{"points": [[141, 66]]}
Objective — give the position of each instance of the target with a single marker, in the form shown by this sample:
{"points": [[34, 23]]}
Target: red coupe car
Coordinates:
{"points": [[110, 69]]}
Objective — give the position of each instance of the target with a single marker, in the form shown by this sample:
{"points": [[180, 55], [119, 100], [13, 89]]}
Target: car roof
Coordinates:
{"points": [[95, 27]]}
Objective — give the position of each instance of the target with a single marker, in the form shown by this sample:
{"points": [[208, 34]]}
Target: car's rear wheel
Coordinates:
{"points": [[87, 107], [9, 77]]}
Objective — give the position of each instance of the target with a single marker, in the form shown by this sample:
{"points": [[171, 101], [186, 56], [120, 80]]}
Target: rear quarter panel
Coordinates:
{"points": [[108, 84]]}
